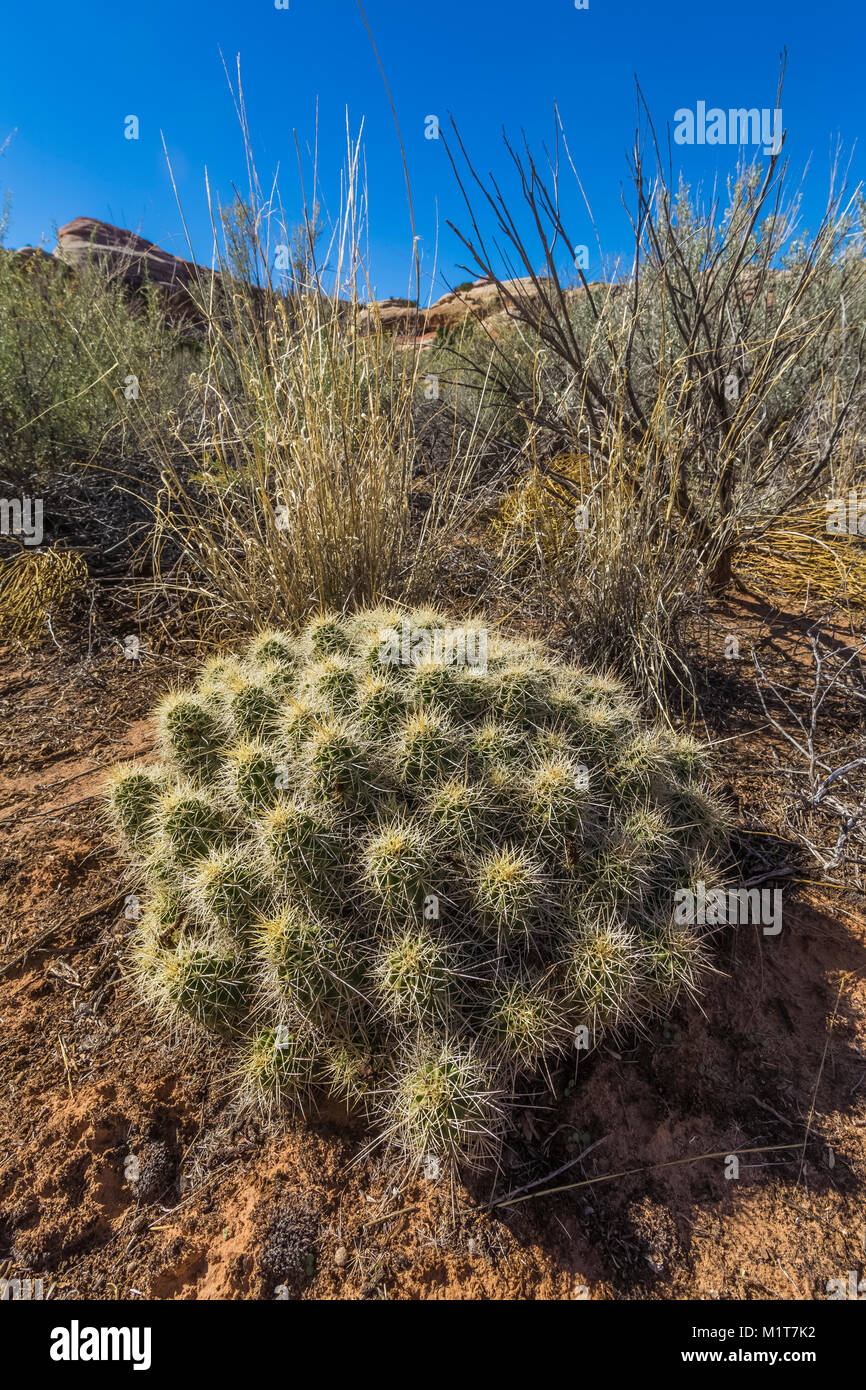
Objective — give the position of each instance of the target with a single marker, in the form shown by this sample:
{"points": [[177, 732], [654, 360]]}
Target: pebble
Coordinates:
{"points": [[341, 1255]]}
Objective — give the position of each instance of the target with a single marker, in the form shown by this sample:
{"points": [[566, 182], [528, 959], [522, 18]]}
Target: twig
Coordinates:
{"points": [[66, 1065], [39, 815], [648, 1168], [390, 1215], [818, 1082], [49, 931], [549, 1176]]}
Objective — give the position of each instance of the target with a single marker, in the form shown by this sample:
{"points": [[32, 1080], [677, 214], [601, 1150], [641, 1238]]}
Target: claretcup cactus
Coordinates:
{"points": [[410, 881]]}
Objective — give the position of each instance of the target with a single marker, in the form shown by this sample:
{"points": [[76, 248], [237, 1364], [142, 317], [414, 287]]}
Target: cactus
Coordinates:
{"points": [[302, 850], [189, 825], [415, 976], [252, 775], [410, 885], [308, 963], [224, 889], [274, 647], [190, 733], [133, 794], [397, 865], [350, 1070], [509, 889], [525, 1025], [440, 1103], [278, 1065], [202, 980]]}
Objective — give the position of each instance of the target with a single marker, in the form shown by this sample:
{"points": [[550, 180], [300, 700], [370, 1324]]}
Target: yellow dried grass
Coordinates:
{"points": [[35, 587], [798, 556]]}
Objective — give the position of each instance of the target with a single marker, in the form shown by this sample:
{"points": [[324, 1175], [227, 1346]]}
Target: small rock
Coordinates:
{"points": [[341, 1255]]}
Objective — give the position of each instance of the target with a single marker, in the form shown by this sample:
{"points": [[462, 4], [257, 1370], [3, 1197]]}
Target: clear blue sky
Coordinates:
{"points": [[70, 74]]}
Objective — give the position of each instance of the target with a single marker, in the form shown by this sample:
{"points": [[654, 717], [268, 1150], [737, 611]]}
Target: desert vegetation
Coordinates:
{"points": [[414, 884], [425, 888], [697, 409]]}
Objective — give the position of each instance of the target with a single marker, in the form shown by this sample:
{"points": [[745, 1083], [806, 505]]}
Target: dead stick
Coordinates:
{"points": [[548, 1177], [649, 1168], [39, 815], [49, 931]]}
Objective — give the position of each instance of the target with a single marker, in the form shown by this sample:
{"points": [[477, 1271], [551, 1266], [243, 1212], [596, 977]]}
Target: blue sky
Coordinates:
{"points": [[69, 75]]}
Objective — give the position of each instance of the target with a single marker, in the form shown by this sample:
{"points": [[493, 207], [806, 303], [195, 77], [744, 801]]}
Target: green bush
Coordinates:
{"points": [[411, 885], [70, 342]]}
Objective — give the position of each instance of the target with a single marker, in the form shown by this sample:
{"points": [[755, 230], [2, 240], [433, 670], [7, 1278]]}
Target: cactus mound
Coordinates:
{"points": [[417, 883]]}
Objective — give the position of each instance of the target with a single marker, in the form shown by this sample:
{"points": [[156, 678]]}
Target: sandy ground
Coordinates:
{"points": [[226, 1206]]}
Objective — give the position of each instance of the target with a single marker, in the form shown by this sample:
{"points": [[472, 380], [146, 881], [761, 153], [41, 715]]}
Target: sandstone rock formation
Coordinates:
{"points": [[135, 262], [393, 316], [481, 300], [129, 258]]}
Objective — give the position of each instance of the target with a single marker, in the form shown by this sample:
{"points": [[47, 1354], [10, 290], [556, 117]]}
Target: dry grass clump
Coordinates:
{"points": [[808, 553], [536, 516], [36, 588], [415, 898]]}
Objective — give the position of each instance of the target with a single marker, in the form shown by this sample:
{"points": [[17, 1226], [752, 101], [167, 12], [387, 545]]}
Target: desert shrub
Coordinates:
{"points": [[415, 907], [535, 517], [69, 341], [821, 719], [802, 556], [295, 485], [714, 392]]}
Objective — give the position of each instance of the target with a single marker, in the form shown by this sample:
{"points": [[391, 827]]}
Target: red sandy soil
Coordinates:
{"points": [[228, 1206]]}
